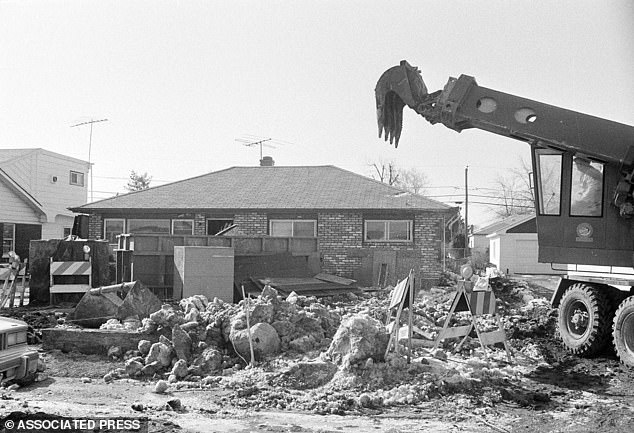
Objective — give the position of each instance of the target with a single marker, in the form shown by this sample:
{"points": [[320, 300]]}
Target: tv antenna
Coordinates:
{"points": [[251, 140], [90, 122]]}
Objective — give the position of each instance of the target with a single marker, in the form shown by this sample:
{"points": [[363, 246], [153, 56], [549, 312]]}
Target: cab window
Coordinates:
{"points": [[586, 193], [548, 164]]}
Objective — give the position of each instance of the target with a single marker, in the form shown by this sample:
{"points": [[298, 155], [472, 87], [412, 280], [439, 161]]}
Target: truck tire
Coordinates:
{"points": [[623, 331], [584, 319]]}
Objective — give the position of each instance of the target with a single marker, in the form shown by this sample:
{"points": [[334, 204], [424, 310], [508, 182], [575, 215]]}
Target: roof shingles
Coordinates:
{"points": [[290, 187]]}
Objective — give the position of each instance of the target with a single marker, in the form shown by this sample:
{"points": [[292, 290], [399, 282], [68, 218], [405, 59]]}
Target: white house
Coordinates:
{"points": [[513, 247], [36, 189]]}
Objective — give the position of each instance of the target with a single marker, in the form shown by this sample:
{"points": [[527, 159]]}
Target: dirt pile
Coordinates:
{"points": [[327, 356]]}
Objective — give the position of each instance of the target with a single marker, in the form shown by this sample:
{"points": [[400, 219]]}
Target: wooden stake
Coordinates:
{"points": [[247, 305]]}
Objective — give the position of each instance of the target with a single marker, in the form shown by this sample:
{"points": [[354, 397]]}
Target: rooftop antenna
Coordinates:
{"points": [[90, 122], [251, 142]]}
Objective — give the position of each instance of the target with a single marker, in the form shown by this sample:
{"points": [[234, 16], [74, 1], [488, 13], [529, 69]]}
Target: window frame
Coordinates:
{"points": [[168, 220], [386, 230], [228, 219], [539, 152], [105, 220], [78, 174], [182, 220], [5, 255], [292, 221], [572, 188]]}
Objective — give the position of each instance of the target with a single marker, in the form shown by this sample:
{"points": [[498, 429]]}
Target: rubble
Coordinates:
{"points": [[328, 355]]}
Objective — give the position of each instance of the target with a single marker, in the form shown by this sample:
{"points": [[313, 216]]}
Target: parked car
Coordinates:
{"points": [[18, 362]]}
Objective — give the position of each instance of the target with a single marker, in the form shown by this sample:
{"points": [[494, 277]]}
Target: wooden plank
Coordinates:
{"points": [[492, 337], [70, 288], [335, 279], [455, 331]]}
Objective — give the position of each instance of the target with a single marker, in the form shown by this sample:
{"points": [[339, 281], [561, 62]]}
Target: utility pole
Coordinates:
{"points": [[466, 206], [90, 122]]}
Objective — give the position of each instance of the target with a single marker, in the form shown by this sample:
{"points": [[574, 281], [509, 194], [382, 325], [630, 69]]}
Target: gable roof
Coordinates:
{"points": [[503, 225], [21, 192], [292, 187], [8, 155]]}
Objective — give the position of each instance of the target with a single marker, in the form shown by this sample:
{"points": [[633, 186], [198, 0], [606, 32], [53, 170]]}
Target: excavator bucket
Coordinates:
{"points": [[398, 86], [120, 301]]}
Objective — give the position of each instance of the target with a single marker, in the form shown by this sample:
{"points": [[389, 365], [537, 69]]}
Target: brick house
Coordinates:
{"points": [[361, 225]]}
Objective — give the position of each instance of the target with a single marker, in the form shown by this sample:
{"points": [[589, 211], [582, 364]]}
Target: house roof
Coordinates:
{"points": [[504, 225], [7, 155], [292, 187], [21, 192]]}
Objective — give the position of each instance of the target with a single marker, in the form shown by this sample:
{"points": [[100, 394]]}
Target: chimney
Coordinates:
{"points": [[267, 161]]}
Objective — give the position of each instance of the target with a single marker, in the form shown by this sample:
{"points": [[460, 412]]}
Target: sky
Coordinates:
{"points": [[181, 81]]}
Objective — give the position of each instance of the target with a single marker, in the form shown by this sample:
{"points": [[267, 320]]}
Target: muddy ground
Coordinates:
{"points": [[543, 389]]}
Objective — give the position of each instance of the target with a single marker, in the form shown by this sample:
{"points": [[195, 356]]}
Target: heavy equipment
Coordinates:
{"points": [[583, 175]]}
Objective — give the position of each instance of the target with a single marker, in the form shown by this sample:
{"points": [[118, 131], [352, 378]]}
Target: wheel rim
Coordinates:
{"points": [[627, 330], [578, 319]]}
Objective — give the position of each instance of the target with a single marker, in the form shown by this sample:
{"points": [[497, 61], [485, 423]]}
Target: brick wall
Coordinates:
{"points": [[95, 227], [343, 249], [251, 223], [200, 224], [338, 233]]}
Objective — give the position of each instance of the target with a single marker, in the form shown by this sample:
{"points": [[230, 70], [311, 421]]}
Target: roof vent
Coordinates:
{"points": [[267, 161]]}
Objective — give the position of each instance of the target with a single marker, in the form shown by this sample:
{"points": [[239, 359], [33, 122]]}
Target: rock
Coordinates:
{"points": [[138, 406], [144, 347], [151, 368], [86, 380], [208, 362], [292, 298], [180, 369], [189, 326], [172, 379], [308, 375], [302, 344], [41, 365], [261, 313], [358, 338], [160, 387], [115, 352], [108, 378], [265, 340], [365, 400], [175, 404], [41, 377], [167, 316], [159, 352], [133, 368], [166, 341], [283, 328], [182, 343]]}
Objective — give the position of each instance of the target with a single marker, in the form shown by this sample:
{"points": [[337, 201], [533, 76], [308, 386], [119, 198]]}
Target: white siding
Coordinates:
{"points": [[35, 172], [13, 208], [517, 254]]}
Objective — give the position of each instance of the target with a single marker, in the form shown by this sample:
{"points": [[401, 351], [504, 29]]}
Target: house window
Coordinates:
{"points": [[388, 230], [67, 231], [548, 164], [154, 226], [112, 227], [76, 178], [182, 227], [8, 238], [217, 225], [586, 193], [293, 228]]}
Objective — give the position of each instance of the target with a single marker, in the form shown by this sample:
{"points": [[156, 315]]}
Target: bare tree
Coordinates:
{"points": [[412, 179], [386, 172], [514, 193], [138, 182]]}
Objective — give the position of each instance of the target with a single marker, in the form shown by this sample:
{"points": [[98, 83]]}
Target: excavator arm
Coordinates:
{"points": [[462, 104]]}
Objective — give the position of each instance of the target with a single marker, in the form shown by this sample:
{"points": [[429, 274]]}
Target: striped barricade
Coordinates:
{"points": [[81, 271]]}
